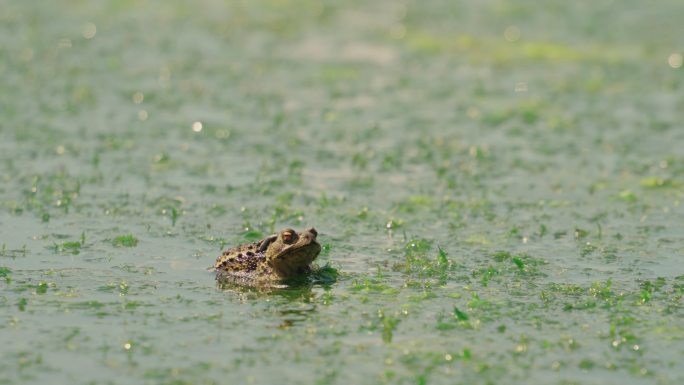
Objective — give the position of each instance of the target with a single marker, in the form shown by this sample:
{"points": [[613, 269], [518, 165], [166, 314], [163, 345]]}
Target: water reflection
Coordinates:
{"points": [[89, 30], [292, 304], [294, 300], [291, 317], [324, 276]]}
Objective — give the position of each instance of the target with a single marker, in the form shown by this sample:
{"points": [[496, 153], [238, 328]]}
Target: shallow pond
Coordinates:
{"points": [[497, 186]]}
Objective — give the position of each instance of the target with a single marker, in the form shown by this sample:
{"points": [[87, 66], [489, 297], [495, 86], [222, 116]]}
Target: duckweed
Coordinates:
{"points": [[125, 241], [6, 273]]}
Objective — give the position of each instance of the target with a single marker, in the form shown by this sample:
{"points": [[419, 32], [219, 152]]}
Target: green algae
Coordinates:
{"points": [[127, 240]]}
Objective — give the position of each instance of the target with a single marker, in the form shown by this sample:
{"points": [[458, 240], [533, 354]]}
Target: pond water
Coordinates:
{"points": [[497, 186]]}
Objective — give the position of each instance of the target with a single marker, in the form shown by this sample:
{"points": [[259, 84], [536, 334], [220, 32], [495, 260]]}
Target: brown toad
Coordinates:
{"points": [[277, 258]]}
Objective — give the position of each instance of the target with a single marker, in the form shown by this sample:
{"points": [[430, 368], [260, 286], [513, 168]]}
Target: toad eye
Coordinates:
{"points": [[288, 236]]}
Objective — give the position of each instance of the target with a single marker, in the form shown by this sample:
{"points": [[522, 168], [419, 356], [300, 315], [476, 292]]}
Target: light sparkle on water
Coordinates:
{"points": [[138, 97], [89, 30], [64, 43]]}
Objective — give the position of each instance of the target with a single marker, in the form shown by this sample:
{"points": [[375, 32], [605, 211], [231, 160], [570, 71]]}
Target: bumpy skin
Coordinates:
{"points": [[279, 257]]}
